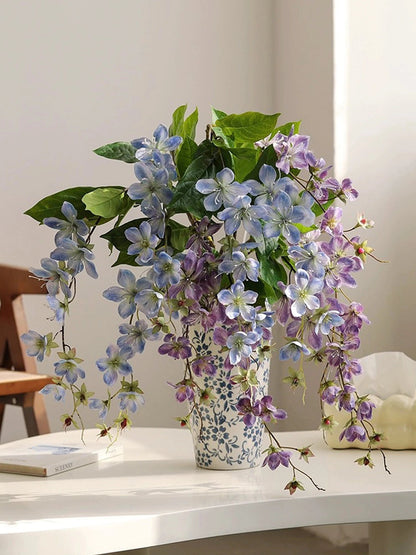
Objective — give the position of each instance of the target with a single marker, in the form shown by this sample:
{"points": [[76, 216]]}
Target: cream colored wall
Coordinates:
{"points": [[304, 91], [81, 74]]}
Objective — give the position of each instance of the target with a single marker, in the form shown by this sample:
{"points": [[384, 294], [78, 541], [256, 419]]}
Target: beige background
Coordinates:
{"points": [[81, 74]]}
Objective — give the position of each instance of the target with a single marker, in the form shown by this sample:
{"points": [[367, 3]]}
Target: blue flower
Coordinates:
{"points": [[237, 302], [152, 182], [240, 345], [68, 368], [57, 390], [167, 270], [55, 276], [303, 293], [310, 258], [281, 218], [293, 350], [161, 142], [221, 191], [155, 215], [97, 404], [36, 344], [77, 257], [126, 294], [70, 228], [116, 361], [240, 266], [130, 400], [149, 302], [57, 307], [266, 191], [242, 212], [328, 320], [135, 337], [144, 242]]}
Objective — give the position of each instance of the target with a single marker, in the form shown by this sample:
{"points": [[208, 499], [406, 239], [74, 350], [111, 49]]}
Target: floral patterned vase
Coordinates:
{"points": [[221, 440]]}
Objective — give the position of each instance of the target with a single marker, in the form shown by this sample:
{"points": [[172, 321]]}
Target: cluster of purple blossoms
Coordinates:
{"points": [[295, 255]]}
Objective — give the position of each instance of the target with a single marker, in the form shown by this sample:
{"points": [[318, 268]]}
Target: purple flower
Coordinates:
{"points": [[265, 410], [330, 393], [365, 410], [277, 458], [245, 409], [184, 391], [291, 151], [346, 398], [353, 432], [204, 365], [331, 221], [176, 347], [199, 241]]}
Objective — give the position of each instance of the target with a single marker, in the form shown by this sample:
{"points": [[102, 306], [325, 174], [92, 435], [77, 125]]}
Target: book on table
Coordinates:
{"points": [[46, 458]]}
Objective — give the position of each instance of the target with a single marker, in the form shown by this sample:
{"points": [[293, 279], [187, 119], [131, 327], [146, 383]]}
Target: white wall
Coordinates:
{"points": [[81, 74]]}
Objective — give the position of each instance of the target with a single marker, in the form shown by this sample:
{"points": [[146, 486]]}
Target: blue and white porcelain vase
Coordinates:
{"points": [[221, 439]]}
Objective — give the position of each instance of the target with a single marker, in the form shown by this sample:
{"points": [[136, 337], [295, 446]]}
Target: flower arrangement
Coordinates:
{"points": [[231, 234]]}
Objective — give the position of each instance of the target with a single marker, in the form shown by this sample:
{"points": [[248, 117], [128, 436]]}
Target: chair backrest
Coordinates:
{"points": [[15, 282]]}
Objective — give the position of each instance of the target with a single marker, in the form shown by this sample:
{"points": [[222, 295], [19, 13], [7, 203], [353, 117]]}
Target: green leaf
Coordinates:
{"points": [[244, 161], [216, 114], [247, 127], [189, 125], [176, 127], [287, 127], [185, 155], [268, 156], [271, 271], [50, 206], [208, 160], [118, 151], [177, 234], [107, 202]]}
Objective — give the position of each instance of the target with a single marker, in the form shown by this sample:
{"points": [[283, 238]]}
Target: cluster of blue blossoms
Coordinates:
{"points": [[213, 281]]}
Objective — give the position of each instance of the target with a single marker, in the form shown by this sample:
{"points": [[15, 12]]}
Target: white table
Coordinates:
{"points": [[155, 495]]}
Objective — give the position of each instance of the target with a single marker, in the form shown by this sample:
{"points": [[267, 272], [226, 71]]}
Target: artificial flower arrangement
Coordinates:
{"points": [[263, 242]]}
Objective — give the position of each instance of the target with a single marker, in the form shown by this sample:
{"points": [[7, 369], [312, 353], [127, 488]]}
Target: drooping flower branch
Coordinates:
{"points": [[293, 266]]}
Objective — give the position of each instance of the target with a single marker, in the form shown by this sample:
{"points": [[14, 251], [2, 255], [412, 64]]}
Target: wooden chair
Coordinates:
{"points": [[19, 380]]}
